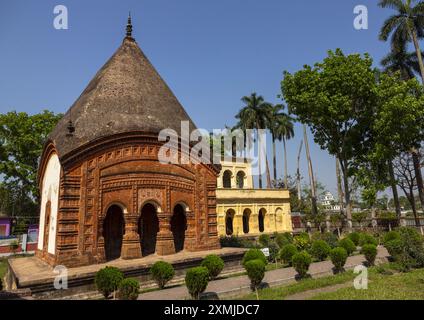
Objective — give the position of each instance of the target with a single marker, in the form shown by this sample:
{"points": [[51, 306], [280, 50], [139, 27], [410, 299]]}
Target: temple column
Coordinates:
{"points": [[190, 234], [131, 247], [165, 238], [101, 255]]}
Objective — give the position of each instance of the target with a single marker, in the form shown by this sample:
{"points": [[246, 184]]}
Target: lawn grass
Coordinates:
{"points": [[279, 293], [400, 286]]}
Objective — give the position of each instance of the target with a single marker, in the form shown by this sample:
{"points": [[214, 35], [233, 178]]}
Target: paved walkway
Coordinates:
{"points": [[240, 285]]}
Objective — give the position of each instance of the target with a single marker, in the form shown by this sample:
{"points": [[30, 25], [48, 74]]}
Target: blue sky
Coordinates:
{"points": [[211, 53]]}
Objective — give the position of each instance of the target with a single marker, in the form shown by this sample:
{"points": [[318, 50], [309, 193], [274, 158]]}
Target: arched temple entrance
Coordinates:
{"points": [[113, 232], [148, 227], [178, 227], [47, 225]]}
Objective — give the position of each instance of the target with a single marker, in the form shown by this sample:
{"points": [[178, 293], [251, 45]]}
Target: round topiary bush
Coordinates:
{"points": [[320, 250], [255, 271], [338, 258], [162, 272], [264, 240], [348, 245], [394, 247], [301, 262], [331, 239], [302, 241], [287, 252], [391, 235], [214, 264], [355, 237], [253, 254], [196, 280], [128, 289], [367, 239], [107, 280], [370, 253]]}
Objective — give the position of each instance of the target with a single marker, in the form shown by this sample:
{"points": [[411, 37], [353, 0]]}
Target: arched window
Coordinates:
{"points": [[226, 179], [229, 217], [261, 220], [246, 221], [240, 179]]}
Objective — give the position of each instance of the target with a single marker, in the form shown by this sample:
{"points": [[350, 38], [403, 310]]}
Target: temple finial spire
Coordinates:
{"points": [[129, 27]]}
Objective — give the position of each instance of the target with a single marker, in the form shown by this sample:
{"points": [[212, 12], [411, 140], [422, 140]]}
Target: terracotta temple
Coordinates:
{"points": [[104, 194]]}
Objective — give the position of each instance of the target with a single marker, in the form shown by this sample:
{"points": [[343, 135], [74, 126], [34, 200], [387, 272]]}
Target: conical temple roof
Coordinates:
{"points": [[126, 95]]}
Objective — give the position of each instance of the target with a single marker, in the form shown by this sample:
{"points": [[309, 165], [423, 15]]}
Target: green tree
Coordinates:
{"points": [[22, 138], [254, 116], [335, 98], [407, 25]]}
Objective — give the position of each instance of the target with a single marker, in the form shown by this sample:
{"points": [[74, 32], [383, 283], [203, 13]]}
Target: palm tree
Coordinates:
{"points": [[254, 116], [405, 26], [399, 60], [282, 129]]}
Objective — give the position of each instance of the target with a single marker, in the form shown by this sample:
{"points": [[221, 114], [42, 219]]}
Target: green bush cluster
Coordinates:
{"points": [[408, 249], [338, 258], [366, 238], [301, 262], [355, 237], [370, 253], [330, 238], [348, 245], [197, 280], [214, 264], [107, 280], [162, 272], [264, 240], [320, 250], [255, 270], [128, 289], [236, 242], [390, 236], [253, 254], [287, 252], [283, 239]]}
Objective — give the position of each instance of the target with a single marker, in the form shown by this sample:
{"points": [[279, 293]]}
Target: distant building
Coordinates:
{"points": [[244, 210], [328, 202]]}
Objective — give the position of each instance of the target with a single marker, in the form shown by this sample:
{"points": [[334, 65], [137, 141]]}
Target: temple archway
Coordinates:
{"points": [[113, 232], [261, 220], [229, 222], [148, 227], [178, 227], [246, 221], [240, 179], [47, 225]]}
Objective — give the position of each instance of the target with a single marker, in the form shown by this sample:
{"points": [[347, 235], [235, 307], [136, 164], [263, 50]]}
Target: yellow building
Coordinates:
{"points": [[245, 211]]}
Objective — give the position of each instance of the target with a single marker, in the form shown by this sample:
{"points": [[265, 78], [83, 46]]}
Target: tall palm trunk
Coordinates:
{"points": [[311, 173], [339, 185], [286, 175], [274, 158], [260, 159], [418, 52], [394, 189], [419, 176], [299, 191], [268, 174]]}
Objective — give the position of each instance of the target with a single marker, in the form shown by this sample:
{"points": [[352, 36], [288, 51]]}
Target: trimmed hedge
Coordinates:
{"points": [[162, 272], [253, 254], [197, 280], [348, 245], [355, 237], [128, 289], [264, 240], [301, 262], [338, 258], [320, 250], [391, 235], [255, 271], [370, 253], [107, 280], [283, 239], [287, 252], [367, 239], [214, 264]]}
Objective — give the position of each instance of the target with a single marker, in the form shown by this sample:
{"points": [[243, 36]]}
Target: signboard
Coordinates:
{"points": [[265, 251]]}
